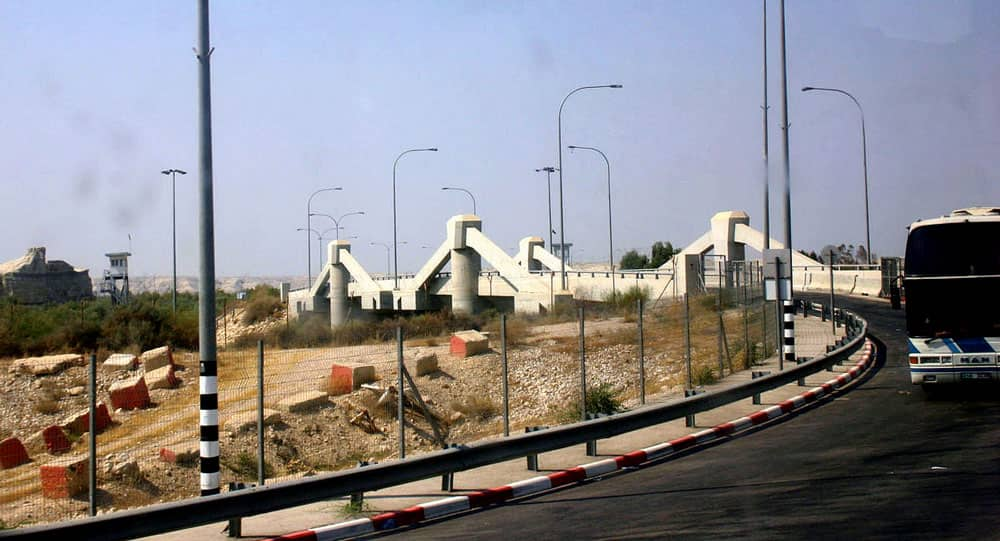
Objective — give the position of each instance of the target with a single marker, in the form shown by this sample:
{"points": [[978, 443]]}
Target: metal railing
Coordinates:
{"points": [[261, 499]]}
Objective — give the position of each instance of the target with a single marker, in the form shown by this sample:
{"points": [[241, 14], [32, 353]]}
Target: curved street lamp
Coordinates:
{"points": [[562, 222], [395, 245], [309, 225], [173, 189], [611, 241], [386, 246], [864, 157], [336, 221], [466, 191], [548, 174]]}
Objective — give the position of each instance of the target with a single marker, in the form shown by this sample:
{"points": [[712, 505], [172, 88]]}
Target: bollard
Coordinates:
{"points": [[754, 375]]}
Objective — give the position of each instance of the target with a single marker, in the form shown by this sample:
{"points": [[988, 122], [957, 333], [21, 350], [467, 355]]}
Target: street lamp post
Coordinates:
{"points": [[336, 221], [386, 246], [611, 242], [864, 157], [319, 239], [548, 174], [173, 190], [562, 221], [395, 245], [466, 191], [309, 225]]}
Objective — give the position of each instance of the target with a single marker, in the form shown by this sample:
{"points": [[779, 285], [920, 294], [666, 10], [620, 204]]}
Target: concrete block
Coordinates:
{"points": [[246, 421], [64, 478], [120, 361], [422, 364], [156, 358], [129, 394], [184, 455], [468, 343], [162, 378], [347, 377], [12, 453], [80, 422], [304, 401], [56, 441], [47, 365]]}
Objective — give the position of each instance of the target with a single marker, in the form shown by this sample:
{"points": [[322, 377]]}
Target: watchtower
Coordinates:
{"points": [[115, 281]]}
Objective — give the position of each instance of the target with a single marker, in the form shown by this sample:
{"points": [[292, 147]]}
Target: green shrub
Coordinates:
{"points": [[261, 307], [602, 398]]}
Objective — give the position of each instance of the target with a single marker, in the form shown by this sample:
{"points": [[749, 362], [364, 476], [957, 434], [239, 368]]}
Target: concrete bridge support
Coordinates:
{"points": [[465, 265], [340, 304]]}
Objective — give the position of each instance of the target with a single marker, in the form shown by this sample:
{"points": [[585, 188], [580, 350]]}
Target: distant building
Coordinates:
{"points": [[33, 280], [115, 282]]}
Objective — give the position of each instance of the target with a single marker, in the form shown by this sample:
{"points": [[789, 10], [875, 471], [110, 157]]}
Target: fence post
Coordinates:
{"points": [[583, 370], [506, 383], [399, 392], [642, 356], [721, 330], [687, 340], [747, 353], [260, 413], [92, 430]]}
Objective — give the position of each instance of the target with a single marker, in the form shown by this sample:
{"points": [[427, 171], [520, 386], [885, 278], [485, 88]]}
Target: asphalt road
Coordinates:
{"points": [[882, 461]]}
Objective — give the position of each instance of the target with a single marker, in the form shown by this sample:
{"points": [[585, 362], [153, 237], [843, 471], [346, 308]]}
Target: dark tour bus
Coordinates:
{"points": [[952, 284]]}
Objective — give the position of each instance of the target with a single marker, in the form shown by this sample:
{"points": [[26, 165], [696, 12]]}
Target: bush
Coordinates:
{"points": [[261, 307], [476, 407], [602, 398]]}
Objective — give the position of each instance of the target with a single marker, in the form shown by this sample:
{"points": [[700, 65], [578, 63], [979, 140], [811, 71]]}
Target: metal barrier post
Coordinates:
{"points": [[92, 430], [358, 498], [399, 392], [583, 370], [689, 419], [754, 374], [642, 356], [260, 413], [506, 389]]}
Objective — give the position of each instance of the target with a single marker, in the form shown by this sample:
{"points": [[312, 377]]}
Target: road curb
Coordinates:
{"points": [[535, 485]]}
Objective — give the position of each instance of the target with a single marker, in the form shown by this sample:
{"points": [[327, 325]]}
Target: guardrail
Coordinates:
{"points": [[255, 500]]}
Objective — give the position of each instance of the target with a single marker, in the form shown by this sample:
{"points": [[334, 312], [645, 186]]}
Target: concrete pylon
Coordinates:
{"points": [[527, 251], [465, 264], [339, 302], [724, 236]]}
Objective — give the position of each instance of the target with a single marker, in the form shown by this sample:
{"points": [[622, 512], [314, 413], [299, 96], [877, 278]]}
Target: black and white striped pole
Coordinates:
{"points": [[208, 381], [788, 312]]}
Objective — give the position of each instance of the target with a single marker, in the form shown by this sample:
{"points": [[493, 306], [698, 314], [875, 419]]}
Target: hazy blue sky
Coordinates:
{"points": [[98, 97]]}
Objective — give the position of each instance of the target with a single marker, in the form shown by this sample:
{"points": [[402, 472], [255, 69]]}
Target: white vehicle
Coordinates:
{"points": [[952, 287]]}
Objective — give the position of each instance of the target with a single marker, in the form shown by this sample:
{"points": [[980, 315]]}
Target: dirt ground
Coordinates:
{"points": [[464, 397]]}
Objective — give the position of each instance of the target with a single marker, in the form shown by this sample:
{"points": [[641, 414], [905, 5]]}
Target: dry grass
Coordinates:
{"points": [[476, 407]]}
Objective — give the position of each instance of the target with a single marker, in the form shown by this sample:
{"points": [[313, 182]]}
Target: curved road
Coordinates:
{"points": [[882, 461]]}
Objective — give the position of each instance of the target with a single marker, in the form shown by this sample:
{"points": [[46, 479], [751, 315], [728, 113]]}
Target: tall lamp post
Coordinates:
{"points": [[386, 246], [466, 191], [336, 221], [319, 239], [395, 245], [173, 189], [562, 221], [548, 174], [309, 225], [611, 241], [864, 157]]}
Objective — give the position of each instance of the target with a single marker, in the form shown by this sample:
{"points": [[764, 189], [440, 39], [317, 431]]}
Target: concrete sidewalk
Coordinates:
{"points": [[811, 338]]}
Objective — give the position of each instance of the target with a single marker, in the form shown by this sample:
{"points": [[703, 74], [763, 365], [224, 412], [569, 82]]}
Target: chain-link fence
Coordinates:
{"points": [[287, 412]]}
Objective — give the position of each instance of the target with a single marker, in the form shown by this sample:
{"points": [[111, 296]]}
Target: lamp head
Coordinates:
{"points": [[614, 86], [808, 88], [165, 172]]}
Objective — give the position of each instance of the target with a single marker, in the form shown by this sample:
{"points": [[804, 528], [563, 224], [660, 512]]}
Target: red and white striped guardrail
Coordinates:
{"points": [[534, 485]]}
